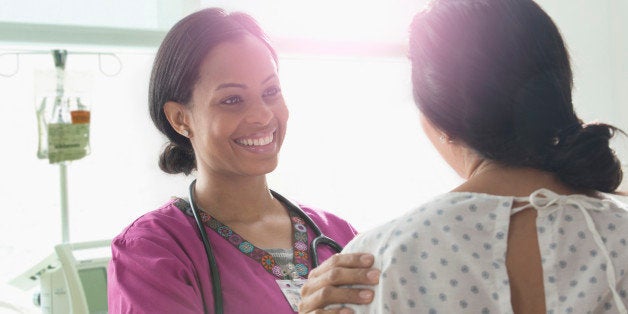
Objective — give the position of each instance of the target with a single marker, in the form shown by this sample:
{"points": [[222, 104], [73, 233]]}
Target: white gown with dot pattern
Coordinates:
{"points": [[448, 256]]}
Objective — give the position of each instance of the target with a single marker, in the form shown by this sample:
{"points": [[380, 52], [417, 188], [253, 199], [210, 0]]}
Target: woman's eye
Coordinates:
{"points": [[272, 91], [232, 100]]}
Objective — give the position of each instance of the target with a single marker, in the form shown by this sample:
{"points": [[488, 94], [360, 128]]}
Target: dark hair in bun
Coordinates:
{"points": [[495, 75]]}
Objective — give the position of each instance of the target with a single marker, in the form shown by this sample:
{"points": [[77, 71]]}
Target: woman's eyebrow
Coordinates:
{"points": [[270, 77], [227, 85], [244, 86]]}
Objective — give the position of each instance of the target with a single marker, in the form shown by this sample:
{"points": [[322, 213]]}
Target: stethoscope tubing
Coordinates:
{"points": [[213, 267], [319, 238]]}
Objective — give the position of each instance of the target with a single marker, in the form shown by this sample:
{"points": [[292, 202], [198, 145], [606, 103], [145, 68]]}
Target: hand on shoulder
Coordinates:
{"points": [[325, 285]]}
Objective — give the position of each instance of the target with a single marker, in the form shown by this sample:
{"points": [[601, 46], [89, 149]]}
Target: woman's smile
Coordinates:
{"points": [[261, 142]]}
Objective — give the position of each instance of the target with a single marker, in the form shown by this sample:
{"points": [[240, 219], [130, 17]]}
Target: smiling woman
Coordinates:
{"points": [[215, 93], [236, 107]]}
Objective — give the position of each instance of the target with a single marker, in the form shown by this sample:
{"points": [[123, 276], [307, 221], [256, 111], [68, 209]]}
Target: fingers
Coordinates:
{"points": [[342, 269], [346, 276], [334, 311], [314, 303], [323, 285], [345, 260]]}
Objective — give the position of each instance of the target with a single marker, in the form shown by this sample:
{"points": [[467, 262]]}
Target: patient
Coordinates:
{"points": [[529, 231]]}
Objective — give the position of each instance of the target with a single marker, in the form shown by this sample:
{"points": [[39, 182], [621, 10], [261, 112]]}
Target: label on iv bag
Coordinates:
{"points": [[67, 141], [80, 116]]}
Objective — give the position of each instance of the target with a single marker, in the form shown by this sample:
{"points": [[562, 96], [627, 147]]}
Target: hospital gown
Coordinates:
{"points": [[449, 255]]}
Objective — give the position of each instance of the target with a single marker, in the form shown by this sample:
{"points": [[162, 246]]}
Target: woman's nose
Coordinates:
{"points": [[260, 113]]}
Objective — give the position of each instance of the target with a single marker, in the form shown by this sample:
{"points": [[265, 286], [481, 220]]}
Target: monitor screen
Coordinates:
{"points": [[94, 281]]}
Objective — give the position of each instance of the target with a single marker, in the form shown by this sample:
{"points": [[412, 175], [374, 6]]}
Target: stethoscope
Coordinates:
{"points": [[319, 239]]}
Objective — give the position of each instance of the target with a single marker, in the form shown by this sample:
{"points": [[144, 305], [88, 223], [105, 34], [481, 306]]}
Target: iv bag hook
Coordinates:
{"points": [[60, 56]]}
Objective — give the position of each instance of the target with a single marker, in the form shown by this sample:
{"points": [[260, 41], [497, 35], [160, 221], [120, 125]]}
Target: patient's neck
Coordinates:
{"points": [[496, 179]]}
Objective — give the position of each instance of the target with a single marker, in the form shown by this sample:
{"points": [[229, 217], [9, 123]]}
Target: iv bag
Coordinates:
{"points": [[63, 127]]}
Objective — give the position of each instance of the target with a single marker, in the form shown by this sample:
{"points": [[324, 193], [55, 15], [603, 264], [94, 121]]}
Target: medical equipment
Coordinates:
{"points": [[86, 279], [63, 118], [63, 122], [72, 280], [215, 277]]}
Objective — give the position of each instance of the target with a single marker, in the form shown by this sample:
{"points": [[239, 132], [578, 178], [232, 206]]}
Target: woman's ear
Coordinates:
{"points": [[177, 115]]}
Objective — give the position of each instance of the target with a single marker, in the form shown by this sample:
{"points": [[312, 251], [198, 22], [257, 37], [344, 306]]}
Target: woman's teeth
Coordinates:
{"points": [[256, 142]]}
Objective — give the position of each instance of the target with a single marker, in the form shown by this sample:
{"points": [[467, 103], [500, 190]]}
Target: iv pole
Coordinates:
{"points": [[60, 57]]}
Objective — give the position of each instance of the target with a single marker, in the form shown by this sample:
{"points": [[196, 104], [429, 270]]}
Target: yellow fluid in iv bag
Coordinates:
{"points": [[63, 124]]}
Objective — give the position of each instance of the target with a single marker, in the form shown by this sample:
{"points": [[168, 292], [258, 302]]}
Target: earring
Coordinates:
{"points": [[445, 139], [185, 133]]}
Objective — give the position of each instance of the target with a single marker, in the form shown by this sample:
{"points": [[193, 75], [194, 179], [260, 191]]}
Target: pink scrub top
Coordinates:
{"points": [[159, 265]]}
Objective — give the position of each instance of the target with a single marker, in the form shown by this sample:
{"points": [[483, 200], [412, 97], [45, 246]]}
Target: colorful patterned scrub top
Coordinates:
{"points": [[448, 256], [297, 267], [158, 265]]}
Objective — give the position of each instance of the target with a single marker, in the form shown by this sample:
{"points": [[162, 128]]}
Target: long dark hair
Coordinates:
{"points": [[175, 72], [495, 75]]}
